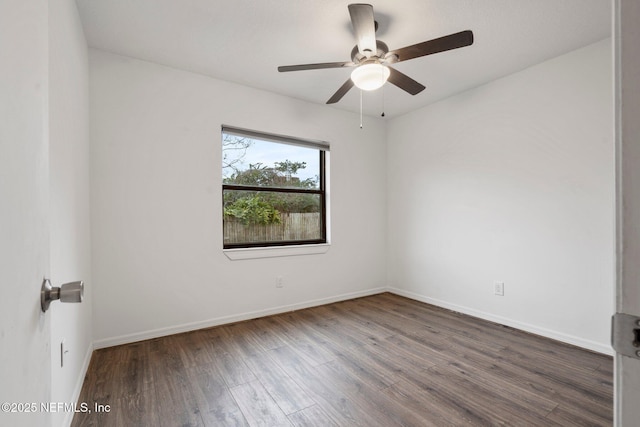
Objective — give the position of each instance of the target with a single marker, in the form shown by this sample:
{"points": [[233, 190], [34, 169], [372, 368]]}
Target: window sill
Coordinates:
{"points": [[276, 251]]}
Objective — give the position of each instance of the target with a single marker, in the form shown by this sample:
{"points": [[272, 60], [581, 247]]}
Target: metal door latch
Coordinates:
{"points": [[69, 292], [625, 334]]}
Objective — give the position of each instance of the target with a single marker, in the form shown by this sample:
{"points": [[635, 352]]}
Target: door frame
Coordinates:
{"points": [[627, 145]]}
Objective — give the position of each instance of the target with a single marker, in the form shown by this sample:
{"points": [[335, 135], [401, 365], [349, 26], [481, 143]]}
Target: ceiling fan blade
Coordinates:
{"points": [[404, 82], [365, 27], [286, 68], [341, 92], [442, 44]]}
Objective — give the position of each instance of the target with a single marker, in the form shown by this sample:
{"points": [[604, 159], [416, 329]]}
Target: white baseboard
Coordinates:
{"points": [[548, 333], [140, 336], [186, 327], [79, 382]]}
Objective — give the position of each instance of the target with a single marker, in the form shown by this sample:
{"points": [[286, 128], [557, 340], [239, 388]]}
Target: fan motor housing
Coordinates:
{"points": [[381, 51]]}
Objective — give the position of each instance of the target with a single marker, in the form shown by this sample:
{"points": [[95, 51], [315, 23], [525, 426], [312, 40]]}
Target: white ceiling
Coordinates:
{"points": [[244, 41]]}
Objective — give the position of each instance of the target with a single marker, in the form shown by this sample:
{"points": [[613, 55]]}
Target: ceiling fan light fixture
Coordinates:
{"points": [[370, 76]]}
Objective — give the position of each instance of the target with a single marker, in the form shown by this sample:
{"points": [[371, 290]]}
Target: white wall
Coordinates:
{"points": [[25, 369], [69, 205], [156, 204], [512, 182]]}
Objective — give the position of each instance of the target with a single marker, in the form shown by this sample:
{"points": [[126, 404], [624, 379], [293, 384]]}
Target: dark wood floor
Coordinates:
{"points": [[376, 361]]}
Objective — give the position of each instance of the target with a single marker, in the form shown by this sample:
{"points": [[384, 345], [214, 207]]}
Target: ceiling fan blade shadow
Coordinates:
{"points": [[341, 92], [319, 66], [442, 44], [364, 26], [404, 82]]}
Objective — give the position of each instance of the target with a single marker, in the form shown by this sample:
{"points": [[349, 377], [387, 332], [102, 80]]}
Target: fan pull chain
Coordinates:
{"points": [[360, 108], [382, 115]]}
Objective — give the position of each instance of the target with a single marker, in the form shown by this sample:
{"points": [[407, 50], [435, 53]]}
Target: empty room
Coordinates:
{"points": [[415, 213]]}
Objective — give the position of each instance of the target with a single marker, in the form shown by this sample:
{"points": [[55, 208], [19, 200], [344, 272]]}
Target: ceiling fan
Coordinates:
{"points": [[371, 58]]}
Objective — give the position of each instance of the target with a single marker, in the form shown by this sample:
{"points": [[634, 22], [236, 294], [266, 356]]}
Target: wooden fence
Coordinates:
{"points": [[293, 226]]}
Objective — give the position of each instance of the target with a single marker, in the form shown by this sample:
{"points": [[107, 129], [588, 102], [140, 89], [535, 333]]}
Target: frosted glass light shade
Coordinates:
{"points": [[370, 76]]}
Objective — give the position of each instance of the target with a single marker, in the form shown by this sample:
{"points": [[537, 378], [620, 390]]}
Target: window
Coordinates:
{"points": [[273, 190]]}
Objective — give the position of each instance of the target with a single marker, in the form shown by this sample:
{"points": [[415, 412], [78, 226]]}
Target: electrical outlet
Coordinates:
{"points": [[498, 288], [279, 283]]}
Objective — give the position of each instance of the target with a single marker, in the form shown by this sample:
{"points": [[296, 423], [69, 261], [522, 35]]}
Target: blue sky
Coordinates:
{"points": [[268, 153]]}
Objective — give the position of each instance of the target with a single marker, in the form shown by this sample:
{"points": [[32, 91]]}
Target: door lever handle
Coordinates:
{"points": [[69, 292]]}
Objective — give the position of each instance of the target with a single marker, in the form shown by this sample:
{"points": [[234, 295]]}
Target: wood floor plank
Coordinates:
{"points": [[347, 311], [118, 371], [229, 359], [321, 342], [312, 416], [258, 406], [441, 326], [414, 399], [494, 332], [84, 419], [289, 396], [417, 349], [367, 396], [233, 369], [172, 385], [332, 400], [374, 361], [569, 416], [336, 329], [302, 343], [420, 331], [193, 348], [141, 409], [268, 337], [240, 336], [368, 368], [217, 405], [529, 375], [449, 402], [396, 362], [506, 389], [501, 406], [575, 376]]}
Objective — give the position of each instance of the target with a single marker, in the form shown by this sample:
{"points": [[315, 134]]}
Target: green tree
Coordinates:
{"points": [[280, 175], [257, 175], [257, 207], [252, 210]]}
